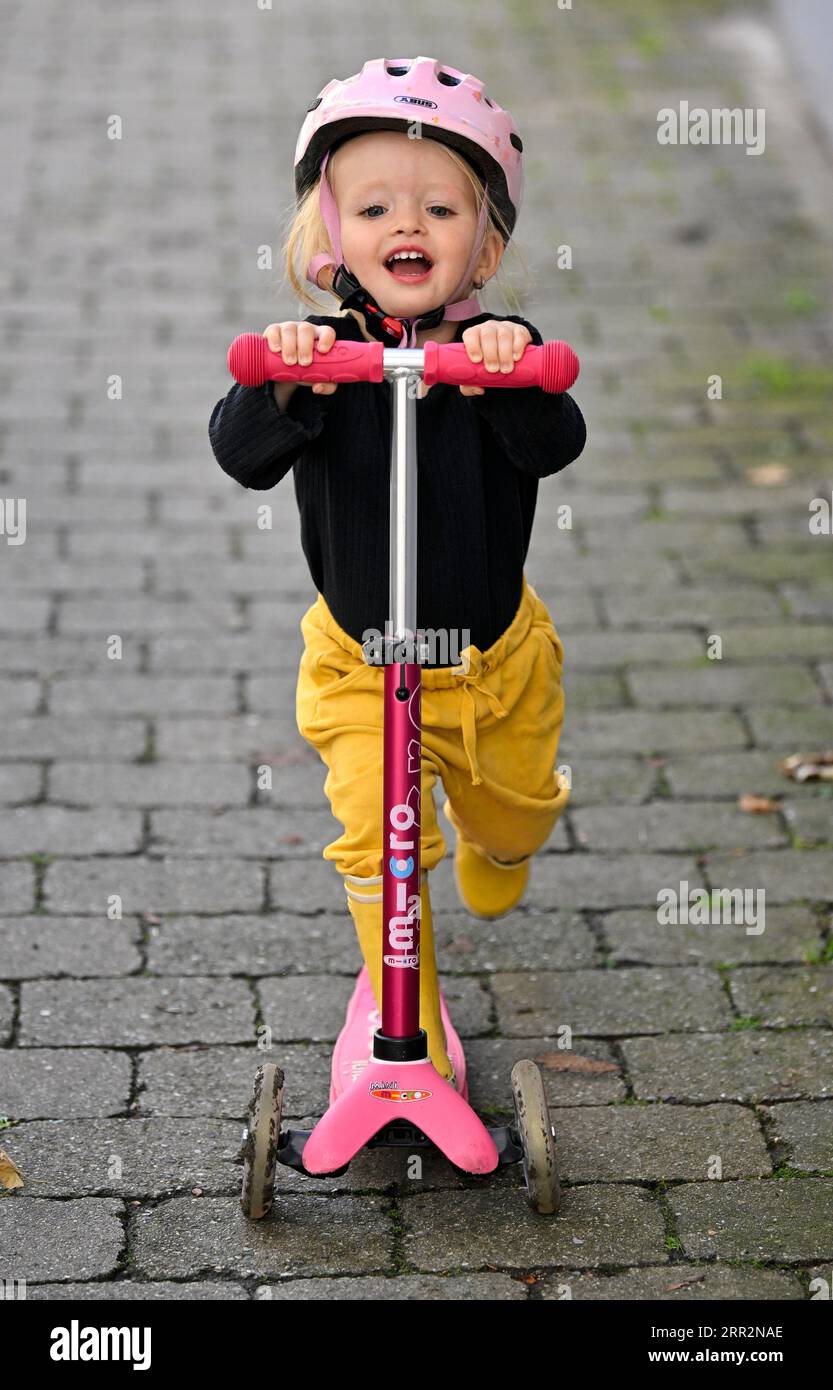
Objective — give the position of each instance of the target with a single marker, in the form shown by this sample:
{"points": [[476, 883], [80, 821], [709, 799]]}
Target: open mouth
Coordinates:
{"points": [[409, 267]]}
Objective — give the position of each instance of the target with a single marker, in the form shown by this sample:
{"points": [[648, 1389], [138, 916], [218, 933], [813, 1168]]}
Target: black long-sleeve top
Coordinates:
{"points": [[479, 460]]}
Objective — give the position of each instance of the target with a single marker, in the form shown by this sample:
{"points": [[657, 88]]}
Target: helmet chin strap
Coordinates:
{"points": [[390, 329]]}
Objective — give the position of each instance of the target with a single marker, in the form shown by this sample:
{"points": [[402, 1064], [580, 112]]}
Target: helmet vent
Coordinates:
{"points": [[517, 142], [447, 79], [488, 101], [396, 72], [313, 104]]}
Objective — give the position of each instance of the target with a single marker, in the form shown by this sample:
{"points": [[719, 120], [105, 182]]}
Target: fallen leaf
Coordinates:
{"points": [[569, 1061], [769, 474], [806, 767], [684, 1283], [758, 805], [10, 1175]]}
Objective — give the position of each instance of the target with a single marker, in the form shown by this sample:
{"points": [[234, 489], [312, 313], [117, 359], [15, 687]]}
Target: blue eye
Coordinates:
{"points": [[371, 208], [439, 207]]}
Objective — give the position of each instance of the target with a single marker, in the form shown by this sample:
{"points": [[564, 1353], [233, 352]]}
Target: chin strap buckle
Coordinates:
{"points": [[385, 327]]}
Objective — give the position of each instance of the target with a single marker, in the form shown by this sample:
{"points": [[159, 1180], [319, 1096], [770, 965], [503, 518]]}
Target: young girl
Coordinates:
{"points": [[409, 179]]}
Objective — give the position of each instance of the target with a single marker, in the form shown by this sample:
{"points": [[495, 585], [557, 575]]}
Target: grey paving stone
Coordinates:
{"points": [[305, 1008], [750, 1065], [188, 1236], [609, 1003], [755, 1220], [742, 501], [424, 1287], [76, 736], [811, 822], [610, 778], [603, 650], [636, 938], [605, 881], [785, 875], [128, 1290], [275, 943], [732, 775], [773, 563], [264, 832], [594, 689], [804, 1133], [585, 1074], [677, 1283], [41, 1240], [534, 940], [621, 1143], [31, 947], [49, 1083], [807, 602], [232, 652], [639, 731], [17, 887], [300, 886], [6, 1013], [669, 534], [596, 1225], [667, 825], [135, 1012], [723, 684], [797, 729], [785, 997], [710, 609], [195, 1081], [48, 655], [27, 615], [154, 885], [121, 692], [19, 782], [19, 695], [52, 829], [144, 616], [770, 642], [149, 784], [125, 1157]]}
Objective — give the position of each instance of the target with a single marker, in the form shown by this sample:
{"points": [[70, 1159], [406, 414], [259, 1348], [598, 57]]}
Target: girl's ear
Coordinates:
{"points": [[490, 257]]}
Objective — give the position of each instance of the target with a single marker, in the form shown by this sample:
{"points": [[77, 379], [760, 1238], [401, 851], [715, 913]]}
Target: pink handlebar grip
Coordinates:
{"points": [[554, 367], [251, 362]]}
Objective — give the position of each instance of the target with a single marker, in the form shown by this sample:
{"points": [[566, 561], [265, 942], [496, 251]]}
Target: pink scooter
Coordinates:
{"points": [[384, 1088]]}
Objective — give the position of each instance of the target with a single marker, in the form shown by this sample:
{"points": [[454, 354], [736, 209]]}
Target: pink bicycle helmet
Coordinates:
{"points": [[452, 107]]}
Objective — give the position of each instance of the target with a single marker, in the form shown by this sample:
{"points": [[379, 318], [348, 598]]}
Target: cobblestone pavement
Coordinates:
{"points": [[129, 1044]]}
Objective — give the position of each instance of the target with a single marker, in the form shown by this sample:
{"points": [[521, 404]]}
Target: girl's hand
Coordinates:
{"points": [[295, 342], [498, 345]]}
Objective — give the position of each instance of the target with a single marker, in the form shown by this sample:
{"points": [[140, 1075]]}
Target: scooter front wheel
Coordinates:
{"points": [[260, 1142], [536, 1137]]}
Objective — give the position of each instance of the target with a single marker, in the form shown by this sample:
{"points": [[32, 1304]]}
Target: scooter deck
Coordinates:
{"points": [[355, 1041]]}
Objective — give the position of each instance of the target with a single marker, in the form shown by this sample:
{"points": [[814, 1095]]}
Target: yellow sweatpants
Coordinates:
{"points": [[490, 731]]}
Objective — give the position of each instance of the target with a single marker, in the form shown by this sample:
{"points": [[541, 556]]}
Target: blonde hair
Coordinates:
{"points": [[304, 235]]}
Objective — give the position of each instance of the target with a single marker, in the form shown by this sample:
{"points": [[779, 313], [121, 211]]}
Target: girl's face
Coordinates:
{"points": [[395, 193]]}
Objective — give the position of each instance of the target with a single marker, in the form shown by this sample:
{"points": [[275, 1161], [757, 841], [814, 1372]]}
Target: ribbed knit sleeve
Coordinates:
{"points": [[256, 443], [541, 433]]}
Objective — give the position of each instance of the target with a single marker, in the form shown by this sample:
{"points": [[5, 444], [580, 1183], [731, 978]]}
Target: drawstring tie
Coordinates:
{"points": [[471, 673]]}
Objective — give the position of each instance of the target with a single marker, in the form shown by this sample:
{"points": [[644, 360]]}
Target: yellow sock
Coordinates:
{"points": [[367, 918]]}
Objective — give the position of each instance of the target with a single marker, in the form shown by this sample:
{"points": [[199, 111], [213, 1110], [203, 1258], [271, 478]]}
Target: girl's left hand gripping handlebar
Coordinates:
{"points": [[554, 367]]}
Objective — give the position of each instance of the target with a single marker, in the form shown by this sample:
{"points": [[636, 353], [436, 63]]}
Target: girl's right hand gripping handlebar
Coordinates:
{"points": [[554, 367]]}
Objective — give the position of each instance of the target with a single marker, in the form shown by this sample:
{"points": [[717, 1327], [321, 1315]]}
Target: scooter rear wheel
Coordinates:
{"points": [[260, 1142], [536, 1137]]}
